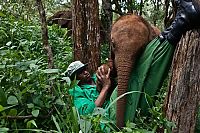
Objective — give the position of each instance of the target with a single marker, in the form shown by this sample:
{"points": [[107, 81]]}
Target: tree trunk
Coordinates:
{"points": [[86, 33], [182, 101], [106, 20]]}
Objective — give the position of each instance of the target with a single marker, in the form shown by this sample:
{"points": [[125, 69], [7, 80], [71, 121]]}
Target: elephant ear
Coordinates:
{"points": [[65, 19], [155, 31], [55, 18]]}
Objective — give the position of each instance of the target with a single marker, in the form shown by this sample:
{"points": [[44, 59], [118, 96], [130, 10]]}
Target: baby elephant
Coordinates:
{"points": [[129, 35]]}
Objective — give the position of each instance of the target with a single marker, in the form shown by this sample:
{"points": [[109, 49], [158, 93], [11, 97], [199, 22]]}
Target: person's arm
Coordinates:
{"points": [[106, 83], [102, 97]]}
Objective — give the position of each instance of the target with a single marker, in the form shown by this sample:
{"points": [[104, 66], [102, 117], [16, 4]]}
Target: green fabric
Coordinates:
{"points": [[147, 76], [84, 97]]}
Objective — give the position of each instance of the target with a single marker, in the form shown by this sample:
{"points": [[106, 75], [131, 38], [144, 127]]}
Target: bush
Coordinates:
{"points": [[33, 96]]}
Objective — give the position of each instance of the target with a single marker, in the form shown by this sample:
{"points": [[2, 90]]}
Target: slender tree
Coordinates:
{"points": [[106, 19], [46, 45]]}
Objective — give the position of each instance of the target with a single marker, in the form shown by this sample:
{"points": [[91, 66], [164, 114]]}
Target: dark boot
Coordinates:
{"points": [[187, 18]]}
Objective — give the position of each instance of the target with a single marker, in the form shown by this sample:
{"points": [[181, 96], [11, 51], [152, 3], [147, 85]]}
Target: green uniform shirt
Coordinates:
{"points": [[84, 97]]}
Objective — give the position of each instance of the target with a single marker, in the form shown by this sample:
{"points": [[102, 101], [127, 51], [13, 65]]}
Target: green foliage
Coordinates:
{"points": [[32, 97], [61, 47], [105, 51], [154, 13], [197, 129], [155, 121]]}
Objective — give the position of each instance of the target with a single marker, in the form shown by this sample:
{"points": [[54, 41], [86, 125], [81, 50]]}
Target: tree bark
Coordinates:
{"points": [[86, 33], [46, 45], [106, 20], [181, 103]]}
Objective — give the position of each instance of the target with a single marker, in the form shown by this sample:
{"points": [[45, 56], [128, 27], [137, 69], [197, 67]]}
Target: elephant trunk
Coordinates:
{"points": [[124, 67]]}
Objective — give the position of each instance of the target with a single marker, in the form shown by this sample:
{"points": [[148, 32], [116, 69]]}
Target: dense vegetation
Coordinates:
{"points": [[34, 98]]}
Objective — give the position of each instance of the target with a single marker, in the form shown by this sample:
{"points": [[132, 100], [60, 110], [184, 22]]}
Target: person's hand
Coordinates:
{"points": [[103, 76]]}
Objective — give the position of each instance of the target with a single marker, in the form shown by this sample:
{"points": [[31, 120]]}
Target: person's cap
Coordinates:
{"points": [[74, 66]]}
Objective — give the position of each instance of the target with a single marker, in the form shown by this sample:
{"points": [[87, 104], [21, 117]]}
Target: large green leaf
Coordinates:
{"points": [[2, 66], [35, 113], [59, 102], [30, 105], [8, 43], [85, 125], [51, 71], [4, 129], [5, 108], [12, 100], [56, 123], [1, 108], [2, 14], [31, 122], [12, 112]]}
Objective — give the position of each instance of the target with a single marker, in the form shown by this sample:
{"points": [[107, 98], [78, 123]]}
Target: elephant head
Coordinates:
{"points": [[129, 34], [62, 18]]}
